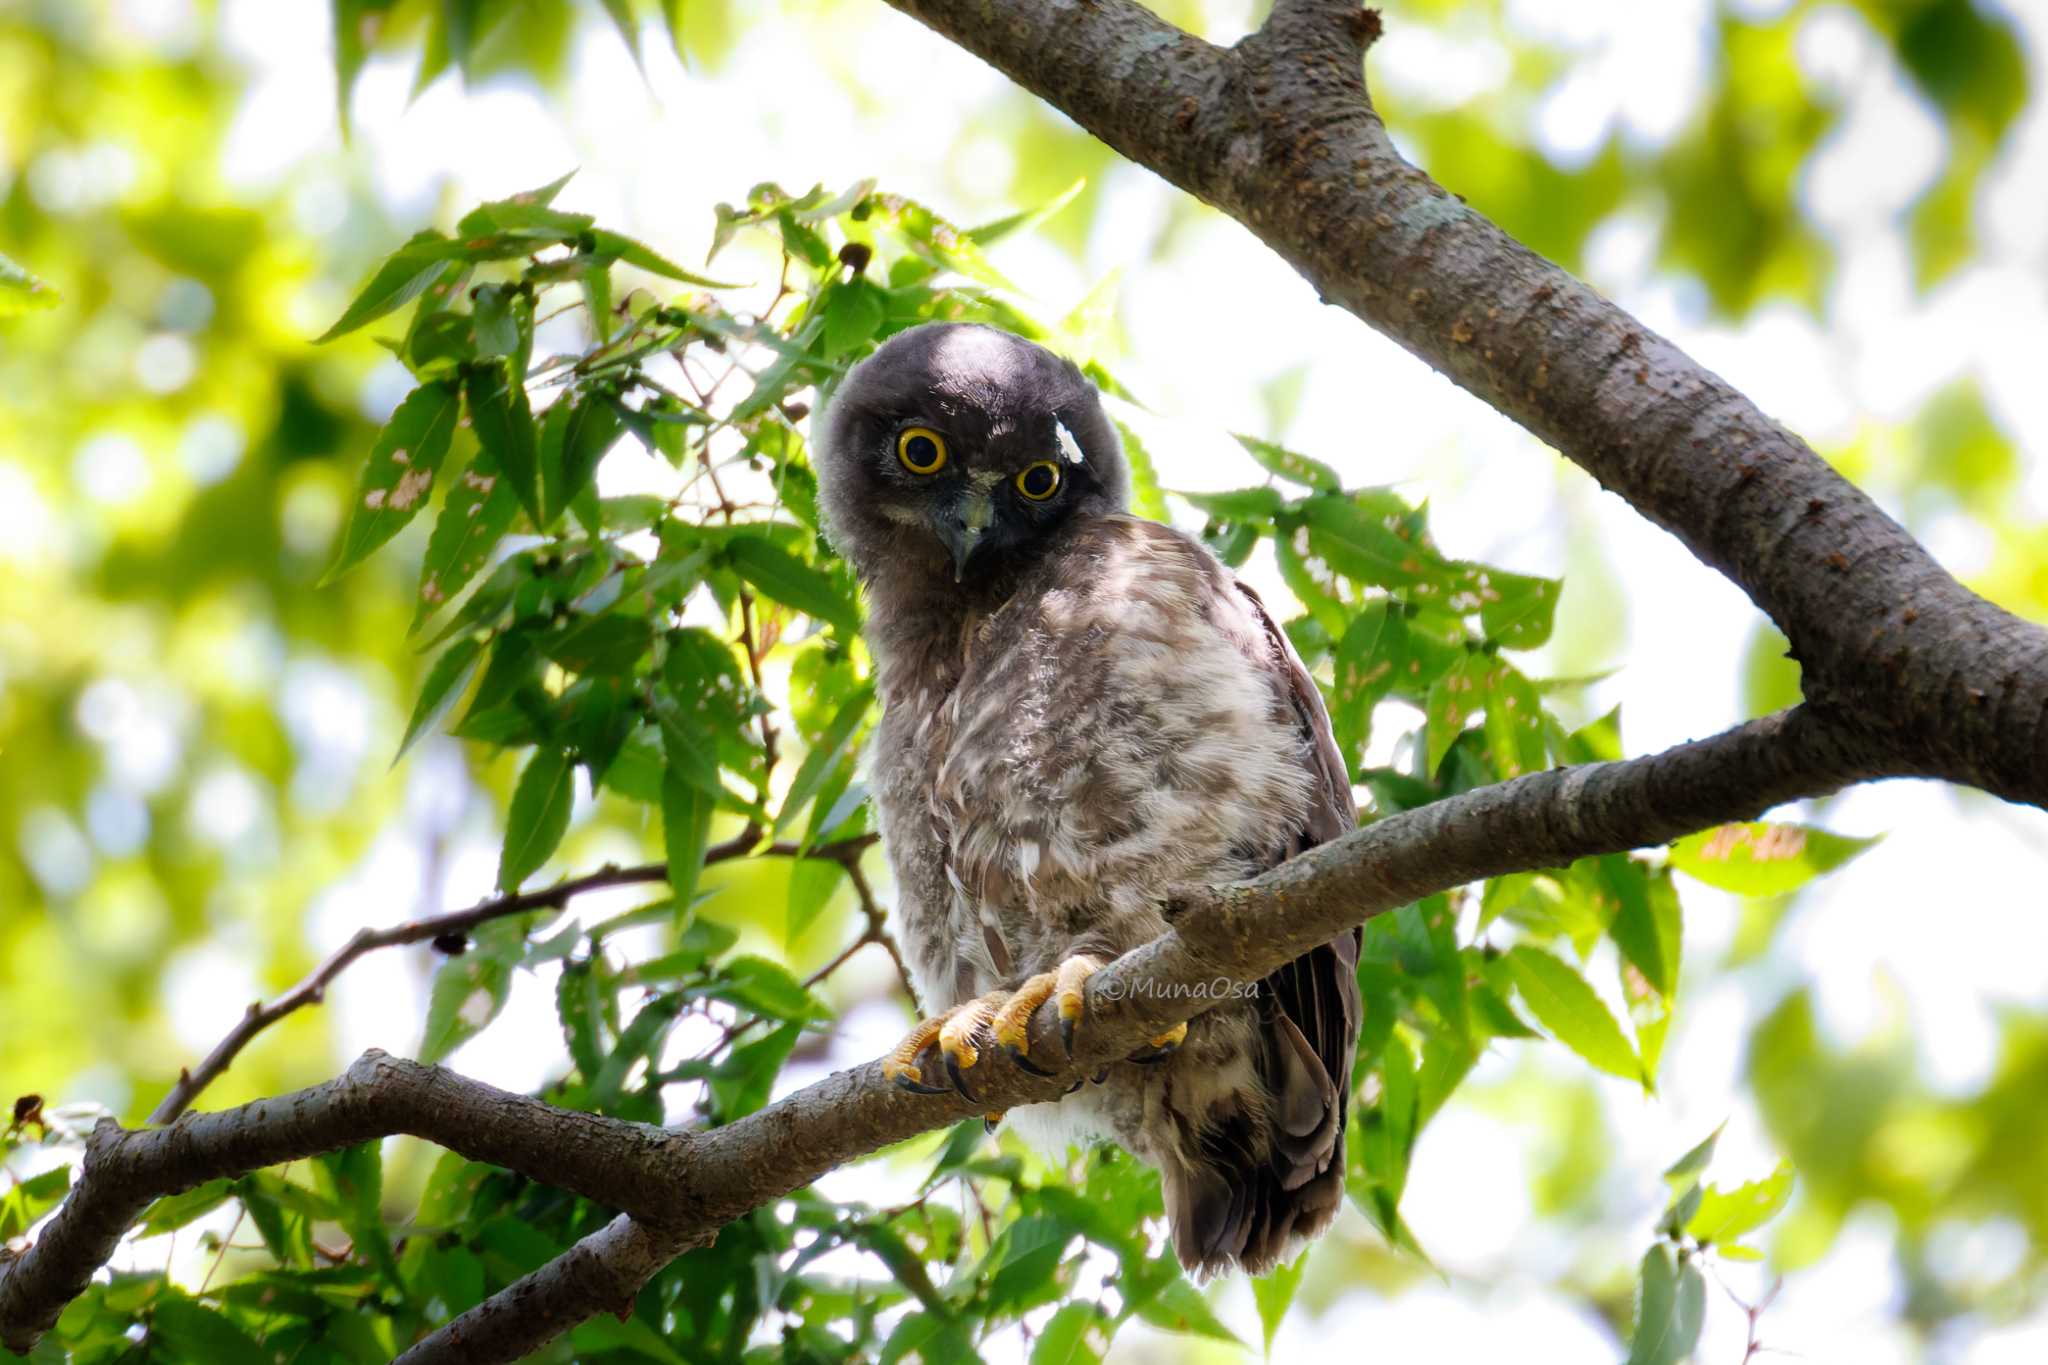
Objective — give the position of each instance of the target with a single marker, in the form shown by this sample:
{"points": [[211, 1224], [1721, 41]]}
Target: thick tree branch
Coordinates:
{"points": [[680, 1187], [1280, 133]]}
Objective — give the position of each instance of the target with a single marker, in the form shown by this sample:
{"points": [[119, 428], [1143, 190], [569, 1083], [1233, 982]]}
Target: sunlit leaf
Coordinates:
{"points": [[1564, 1004], [399, 476], [1762, 859], [21, 292], [1728, 1215]]}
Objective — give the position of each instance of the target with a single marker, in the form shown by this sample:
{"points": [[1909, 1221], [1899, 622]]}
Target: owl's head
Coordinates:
{"points": [[958, 449]]}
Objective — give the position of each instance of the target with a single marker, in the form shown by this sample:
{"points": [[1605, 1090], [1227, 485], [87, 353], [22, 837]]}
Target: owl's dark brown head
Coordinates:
{"points": [[958, 449]]}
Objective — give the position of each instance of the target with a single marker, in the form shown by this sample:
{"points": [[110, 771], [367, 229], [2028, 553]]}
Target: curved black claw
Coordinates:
{"points": [[1075, 1086], [1151, 1056], [1100, 1076], [991, 1122], [1067, 1036], [1023, 1059], [959, 1081], [919, 1087]]}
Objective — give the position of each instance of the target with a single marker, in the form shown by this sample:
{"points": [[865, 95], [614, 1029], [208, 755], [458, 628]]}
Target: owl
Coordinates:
{"points": [[1085, 715]]}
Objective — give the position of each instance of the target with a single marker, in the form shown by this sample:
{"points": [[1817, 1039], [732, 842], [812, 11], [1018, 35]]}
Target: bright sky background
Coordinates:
{"points": [[1894, 941]]}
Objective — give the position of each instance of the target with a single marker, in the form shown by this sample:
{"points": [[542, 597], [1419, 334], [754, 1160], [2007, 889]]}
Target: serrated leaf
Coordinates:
{"points": [[467, 995], [778, 574], [593, 428], [397, 282], [399, 475], [1292, 465], [503, 423], [188, 1330], [1564, 1004], [1763, 859], [1728, 1215], [443, 687], [1260, 504], [538, 817], [1454, 699], [854, 311], [620, 247], [764, 987], [609, 645], [743, 1082], [475, 515], [1517, 611]]}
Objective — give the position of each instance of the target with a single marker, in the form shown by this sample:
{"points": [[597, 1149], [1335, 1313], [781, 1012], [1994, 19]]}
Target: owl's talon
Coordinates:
{"points": [[1075, 1086], [919, 1087], [1099, 1077], [1159, 1049], [959, 1080], [1067, 1037], [1017, 1055], [991, 1122], [1073, 993]]}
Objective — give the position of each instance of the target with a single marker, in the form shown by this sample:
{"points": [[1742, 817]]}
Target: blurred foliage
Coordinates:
{"points": [[226, 598]]}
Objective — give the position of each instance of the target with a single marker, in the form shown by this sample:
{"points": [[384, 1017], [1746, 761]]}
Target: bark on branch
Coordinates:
{"points": [[677, 1188], [1280, 133]]}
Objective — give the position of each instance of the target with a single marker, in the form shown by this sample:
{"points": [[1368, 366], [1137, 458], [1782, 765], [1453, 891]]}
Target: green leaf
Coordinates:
{"points": [[21, 292], [1516, 611], [1274, 1294], [1180, 1307], [503, 422], [1761, 859], [399, 474], [1514, 723], [1454, 699], [1647, 926], [593, 428], [191, 1331], [398, 281], [1656, 1298], [444, 684], [1076, 1335], [743, 1081], [610, 644], [778, 574], [825, 755], [623, 248], [1563, 1003], [1292, 466], [1728, 1215], [467, 994], [988, 234], [764, 987], [1688, 1168], [811, 884], [686, 829], [476, 513], [538, 817], [854, 311], [527, 210], [174, 1211]]}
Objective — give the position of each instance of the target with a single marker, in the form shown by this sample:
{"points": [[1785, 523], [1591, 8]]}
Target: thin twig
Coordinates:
{"points": [[313, 988]]}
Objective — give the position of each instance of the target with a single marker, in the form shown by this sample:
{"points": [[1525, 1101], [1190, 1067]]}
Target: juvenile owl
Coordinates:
{"points": [[1084, 714]]}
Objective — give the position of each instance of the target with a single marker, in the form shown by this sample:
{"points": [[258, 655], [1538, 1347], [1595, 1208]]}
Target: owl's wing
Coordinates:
{"points": [[1313, 1015]]}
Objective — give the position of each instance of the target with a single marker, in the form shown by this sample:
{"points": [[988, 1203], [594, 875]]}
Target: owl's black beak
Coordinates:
{"points": [[961, 526]]}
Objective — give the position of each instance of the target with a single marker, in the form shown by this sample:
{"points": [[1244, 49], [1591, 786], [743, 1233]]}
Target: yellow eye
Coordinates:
{"points": [[1039, 481], [922, 450]]}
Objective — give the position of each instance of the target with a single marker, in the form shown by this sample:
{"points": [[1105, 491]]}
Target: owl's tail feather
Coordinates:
{"points": [[1268, 1170]]}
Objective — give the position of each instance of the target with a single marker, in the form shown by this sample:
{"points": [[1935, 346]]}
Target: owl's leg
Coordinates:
{"points": [[901, 1065]]}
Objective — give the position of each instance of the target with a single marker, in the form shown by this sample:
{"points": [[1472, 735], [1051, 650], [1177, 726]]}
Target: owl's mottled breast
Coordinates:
{"points": [[1053, 772]]}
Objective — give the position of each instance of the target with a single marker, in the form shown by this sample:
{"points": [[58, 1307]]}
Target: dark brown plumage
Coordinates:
{"points": [[1085, 713]]}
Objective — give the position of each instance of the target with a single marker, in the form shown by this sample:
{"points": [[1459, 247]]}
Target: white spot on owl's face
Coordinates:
{"points": [[1070, 449]]}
